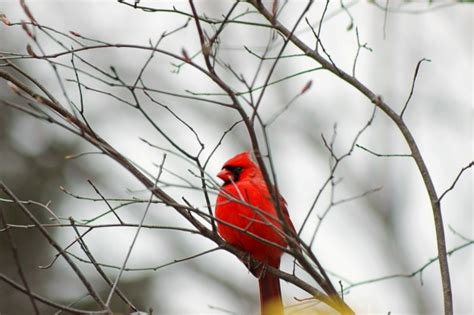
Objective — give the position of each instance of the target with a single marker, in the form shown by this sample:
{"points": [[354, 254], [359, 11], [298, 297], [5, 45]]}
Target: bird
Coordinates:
{"points": [[247, 219]]}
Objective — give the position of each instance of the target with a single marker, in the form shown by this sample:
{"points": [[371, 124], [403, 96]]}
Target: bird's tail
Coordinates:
{"points": [[270, 295]]}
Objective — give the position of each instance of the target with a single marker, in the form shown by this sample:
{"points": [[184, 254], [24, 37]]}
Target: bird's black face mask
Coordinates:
{"points": [[232, 172]]}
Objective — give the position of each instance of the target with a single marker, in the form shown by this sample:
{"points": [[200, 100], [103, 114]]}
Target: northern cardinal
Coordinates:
{"points": [[244, 207]]}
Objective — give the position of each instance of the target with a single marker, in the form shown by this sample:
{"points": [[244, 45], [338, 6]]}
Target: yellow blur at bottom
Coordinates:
{"points": [[310, 307], [272, 307]]}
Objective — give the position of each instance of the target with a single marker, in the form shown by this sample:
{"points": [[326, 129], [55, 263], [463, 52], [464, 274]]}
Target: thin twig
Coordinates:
{"points": [[385, 19], [419, 271], [382, 154], [47, 301], [45, 233], [320, 25], [413, 85], [105, 200], [455, 180], [16, 257], [398, 121], [93, 261], [359, 47], [124, 264]]}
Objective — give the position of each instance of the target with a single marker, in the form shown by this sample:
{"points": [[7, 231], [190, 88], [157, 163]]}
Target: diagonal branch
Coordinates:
{"points": [[96, 265], [45, 300], [117, 279], [76, 126], [16, 257], [413, 85], [46, 234], [455, 180], [398, 121]]}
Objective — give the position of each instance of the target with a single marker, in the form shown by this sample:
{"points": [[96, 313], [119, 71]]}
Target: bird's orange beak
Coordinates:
{"points": [[225, 175]]}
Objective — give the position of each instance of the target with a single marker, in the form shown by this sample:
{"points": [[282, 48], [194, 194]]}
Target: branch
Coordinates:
{"points": [[117, 279], [96, 265], [45, 300], [105, 200], [413, 85], [45, 233], [398, 121], [455, 180], [73, 124], [382, 154], [412, 274], [16, 257]]}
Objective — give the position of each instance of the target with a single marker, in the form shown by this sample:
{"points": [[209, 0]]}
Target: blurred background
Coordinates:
{"points": [[384, 233]]}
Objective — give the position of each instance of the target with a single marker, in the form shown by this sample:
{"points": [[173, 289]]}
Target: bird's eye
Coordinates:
{"points": [[233, 169]]}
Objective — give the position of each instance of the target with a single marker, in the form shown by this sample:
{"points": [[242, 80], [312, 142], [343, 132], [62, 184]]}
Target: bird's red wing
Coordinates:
{"points": [[260, 219], [286, 215], [263, 201]]}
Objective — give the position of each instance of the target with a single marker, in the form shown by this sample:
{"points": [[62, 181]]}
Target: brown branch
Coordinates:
{"points": [[16, 257], [186, 14], [455, 181], [382, 154], [105, 200], [397, 119], [135, 237], [45, 300], [107, 149], [413, 85], [321, 20], [96, 265], [293, 240], [79, 128], [45, 233], [431, 7], [96, 226], [419, 271], [359, 47], [154, 268], [55, 258]]}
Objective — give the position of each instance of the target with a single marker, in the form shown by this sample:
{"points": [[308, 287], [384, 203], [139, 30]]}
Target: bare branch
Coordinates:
{"points": [[455, 181], [117, 279], [45, 233], [228, 78], [359, 47], [413, 85], [105, 200], [86, 250], [382, 154], [16, 257], [419, 271], [47, 301], [398, 121]]}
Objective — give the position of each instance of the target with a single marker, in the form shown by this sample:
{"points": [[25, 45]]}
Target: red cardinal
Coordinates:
{"points": [[245, 203]]}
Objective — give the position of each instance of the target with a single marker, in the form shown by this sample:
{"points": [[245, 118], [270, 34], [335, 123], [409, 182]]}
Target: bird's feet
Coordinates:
{"points": [[255, 267], [261, 270]]}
